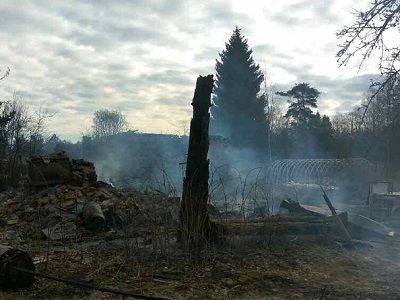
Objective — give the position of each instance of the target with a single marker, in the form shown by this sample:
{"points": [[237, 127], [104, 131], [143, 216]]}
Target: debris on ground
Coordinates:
{"points": [[296, 208], [357, 225], [106, 236], [75, 197], [369, 226]]}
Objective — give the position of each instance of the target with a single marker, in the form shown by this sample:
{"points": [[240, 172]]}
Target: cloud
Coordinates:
{"points": [[143, 56], [337, 94], [305, 13], [221, 14]]}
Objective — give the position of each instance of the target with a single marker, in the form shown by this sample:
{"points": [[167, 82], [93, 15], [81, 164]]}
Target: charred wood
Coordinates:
{"points": [[195, 222]]}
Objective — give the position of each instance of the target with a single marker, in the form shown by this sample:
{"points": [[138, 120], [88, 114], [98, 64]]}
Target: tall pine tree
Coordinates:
{"points": [[239, 111]]}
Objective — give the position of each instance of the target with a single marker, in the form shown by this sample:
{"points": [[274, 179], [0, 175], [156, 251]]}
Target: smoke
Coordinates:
{"points": [[240, 177], [155, 161], [136, 160]]}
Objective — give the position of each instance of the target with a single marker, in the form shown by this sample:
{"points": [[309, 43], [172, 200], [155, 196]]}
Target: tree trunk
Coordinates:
{"points": [[195, 222]]}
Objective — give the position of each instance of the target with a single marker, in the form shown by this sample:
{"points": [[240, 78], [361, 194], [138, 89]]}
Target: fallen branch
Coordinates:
{"points": [[89, 286]]}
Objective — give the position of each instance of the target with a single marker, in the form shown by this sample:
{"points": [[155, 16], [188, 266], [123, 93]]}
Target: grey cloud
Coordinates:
{"points": [[346, 92], [220, 14], [268, 50], [322, 9], [282, 17], [27, 19], [208, 54], [342, 88], [293, 14], [170, 77], [293, 67]]}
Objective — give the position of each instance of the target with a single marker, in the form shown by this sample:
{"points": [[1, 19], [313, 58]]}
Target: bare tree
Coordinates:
{"points": [[374, 31], [6, 116], [37, 128], [272, 112], [108, 122]]}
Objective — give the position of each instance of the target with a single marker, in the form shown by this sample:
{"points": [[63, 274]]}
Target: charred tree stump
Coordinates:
{"points": [[10, 277], [195, 222]]}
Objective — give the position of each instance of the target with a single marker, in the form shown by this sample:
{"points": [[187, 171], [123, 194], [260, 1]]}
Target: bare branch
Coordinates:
{"points": [[6, 74], [368, 34]]}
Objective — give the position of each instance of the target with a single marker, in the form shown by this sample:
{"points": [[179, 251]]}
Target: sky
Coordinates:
{"points": [[142, 57]]}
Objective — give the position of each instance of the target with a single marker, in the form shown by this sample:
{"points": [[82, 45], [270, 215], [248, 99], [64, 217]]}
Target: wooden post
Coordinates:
{"points": [[195, 222]]}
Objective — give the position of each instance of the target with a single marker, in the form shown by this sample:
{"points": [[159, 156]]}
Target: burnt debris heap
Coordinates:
{"points": [[195, 222]]}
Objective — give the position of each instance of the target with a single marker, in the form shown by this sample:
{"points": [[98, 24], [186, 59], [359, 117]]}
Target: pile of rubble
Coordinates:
{"points": [[45, 171], [60, 191]]}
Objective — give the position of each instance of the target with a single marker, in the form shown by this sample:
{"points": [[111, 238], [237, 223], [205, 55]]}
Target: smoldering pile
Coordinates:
{"points": [[60, 193]]}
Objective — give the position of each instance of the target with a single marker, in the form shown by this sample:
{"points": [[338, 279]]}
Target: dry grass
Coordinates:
{"points": [[282, 271]]}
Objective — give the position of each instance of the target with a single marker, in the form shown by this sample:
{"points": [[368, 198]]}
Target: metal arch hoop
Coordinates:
{"points": [[318, 171]]}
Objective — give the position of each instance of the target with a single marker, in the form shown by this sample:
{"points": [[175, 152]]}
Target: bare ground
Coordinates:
{"points": [[278, 270]]}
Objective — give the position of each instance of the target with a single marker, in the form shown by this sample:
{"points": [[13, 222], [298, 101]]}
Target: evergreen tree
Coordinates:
{"points": [[239, 111], [305, 98], [322, 133], [303, 123]]}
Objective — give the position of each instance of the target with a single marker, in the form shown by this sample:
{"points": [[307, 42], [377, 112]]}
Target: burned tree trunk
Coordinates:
{"points": [[195, 222]]}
